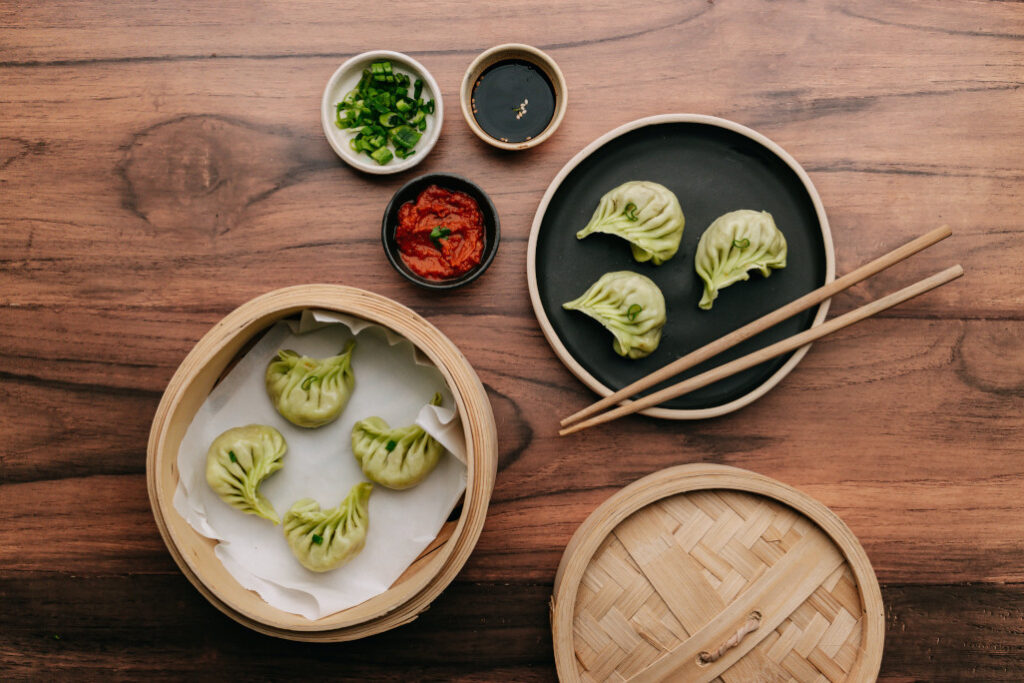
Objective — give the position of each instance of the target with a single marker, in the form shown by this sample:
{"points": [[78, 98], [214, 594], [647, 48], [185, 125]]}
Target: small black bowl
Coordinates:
{"points": [[408, 193]]}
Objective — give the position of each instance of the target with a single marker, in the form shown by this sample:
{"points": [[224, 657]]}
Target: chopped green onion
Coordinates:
{"points": [[318, 539], [439, 233], [390, 120], [308, 381], [231, 454], [382, 155], [741, 244], [390, 446], [384, 112], [630, 212], [404, 136], [634, 311]]}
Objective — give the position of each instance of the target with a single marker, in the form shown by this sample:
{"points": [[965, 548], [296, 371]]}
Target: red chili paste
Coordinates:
{"points": [[441, 234]]}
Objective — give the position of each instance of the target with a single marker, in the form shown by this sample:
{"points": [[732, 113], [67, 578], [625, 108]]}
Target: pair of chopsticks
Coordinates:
{"points": [[573, 423]]}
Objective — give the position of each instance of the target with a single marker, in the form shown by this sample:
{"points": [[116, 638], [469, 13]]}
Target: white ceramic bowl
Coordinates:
{"points": [[347, 77]]}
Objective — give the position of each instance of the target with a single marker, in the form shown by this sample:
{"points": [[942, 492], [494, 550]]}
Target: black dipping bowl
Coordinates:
{"points": [[408, 193]]}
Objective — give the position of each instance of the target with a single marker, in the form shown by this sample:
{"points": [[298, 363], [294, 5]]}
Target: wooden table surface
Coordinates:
{"points": [[161, 163]]}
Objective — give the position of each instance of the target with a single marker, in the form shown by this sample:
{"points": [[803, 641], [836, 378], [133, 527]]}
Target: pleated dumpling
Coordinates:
{"points": [[237, 463], [645, 214], [733, 244], [399, 457], [630, 306], [324, 539], [311, 392]]}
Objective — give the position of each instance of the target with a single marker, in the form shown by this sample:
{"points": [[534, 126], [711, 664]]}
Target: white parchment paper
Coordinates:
{"points": [[393, 381]]}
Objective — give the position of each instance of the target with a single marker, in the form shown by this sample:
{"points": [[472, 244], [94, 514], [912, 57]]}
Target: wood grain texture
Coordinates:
{"points": [[162, 163], [490, 632]]}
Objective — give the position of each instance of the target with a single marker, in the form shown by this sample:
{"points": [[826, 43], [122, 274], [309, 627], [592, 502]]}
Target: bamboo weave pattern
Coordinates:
{"points": [[671, 567]]}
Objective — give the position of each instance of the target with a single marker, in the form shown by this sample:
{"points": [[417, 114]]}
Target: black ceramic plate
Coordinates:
{"points": [[713, 166]]}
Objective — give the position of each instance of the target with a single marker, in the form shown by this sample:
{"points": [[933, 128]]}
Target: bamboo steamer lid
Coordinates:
{"points": [[706, 573], [428, 575]]}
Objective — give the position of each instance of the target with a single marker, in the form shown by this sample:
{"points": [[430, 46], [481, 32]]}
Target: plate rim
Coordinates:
{"points": [[531, 262]]}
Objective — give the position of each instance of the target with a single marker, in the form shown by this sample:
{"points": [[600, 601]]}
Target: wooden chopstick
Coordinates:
{"points": [[750, 329], [768, 352]]}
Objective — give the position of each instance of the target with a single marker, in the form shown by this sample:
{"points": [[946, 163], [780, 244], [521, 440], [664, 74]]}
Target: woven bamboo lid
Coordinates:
{"points": [[706, 572]]}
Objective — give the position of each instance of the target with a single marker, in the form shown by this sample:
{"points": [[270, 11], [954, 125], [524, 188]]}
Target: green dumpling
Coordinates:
{"points": [[645, 214], [398, 458], [237, 463], [324, 539], [733, 244], [310, 392], [630, 306]]}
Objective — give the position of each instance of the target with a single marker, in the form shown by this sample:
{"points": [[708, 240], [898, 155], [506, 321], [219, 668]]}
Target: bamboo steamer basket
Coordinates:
{"points": [[713, 573], [437, 565]]}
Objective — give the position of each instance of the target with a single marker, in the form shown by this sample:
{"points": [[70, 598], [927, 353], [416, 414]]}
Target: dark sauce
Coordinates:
{"points": [[513, 100]]}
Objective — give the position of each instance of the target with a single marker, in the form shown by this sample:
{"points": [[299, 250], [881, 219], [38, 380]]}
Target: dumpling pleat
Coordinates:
{"points": [[733, 245], [341, 531], [257, 451], [412, 456], [653, 223], [310, 392], [628, 305]]}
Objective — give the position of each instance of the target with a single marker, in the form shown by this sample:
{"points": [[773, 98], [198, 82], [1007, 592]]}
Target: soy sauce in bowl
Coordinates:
{"points": [[513, 96], [513, 100]]}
